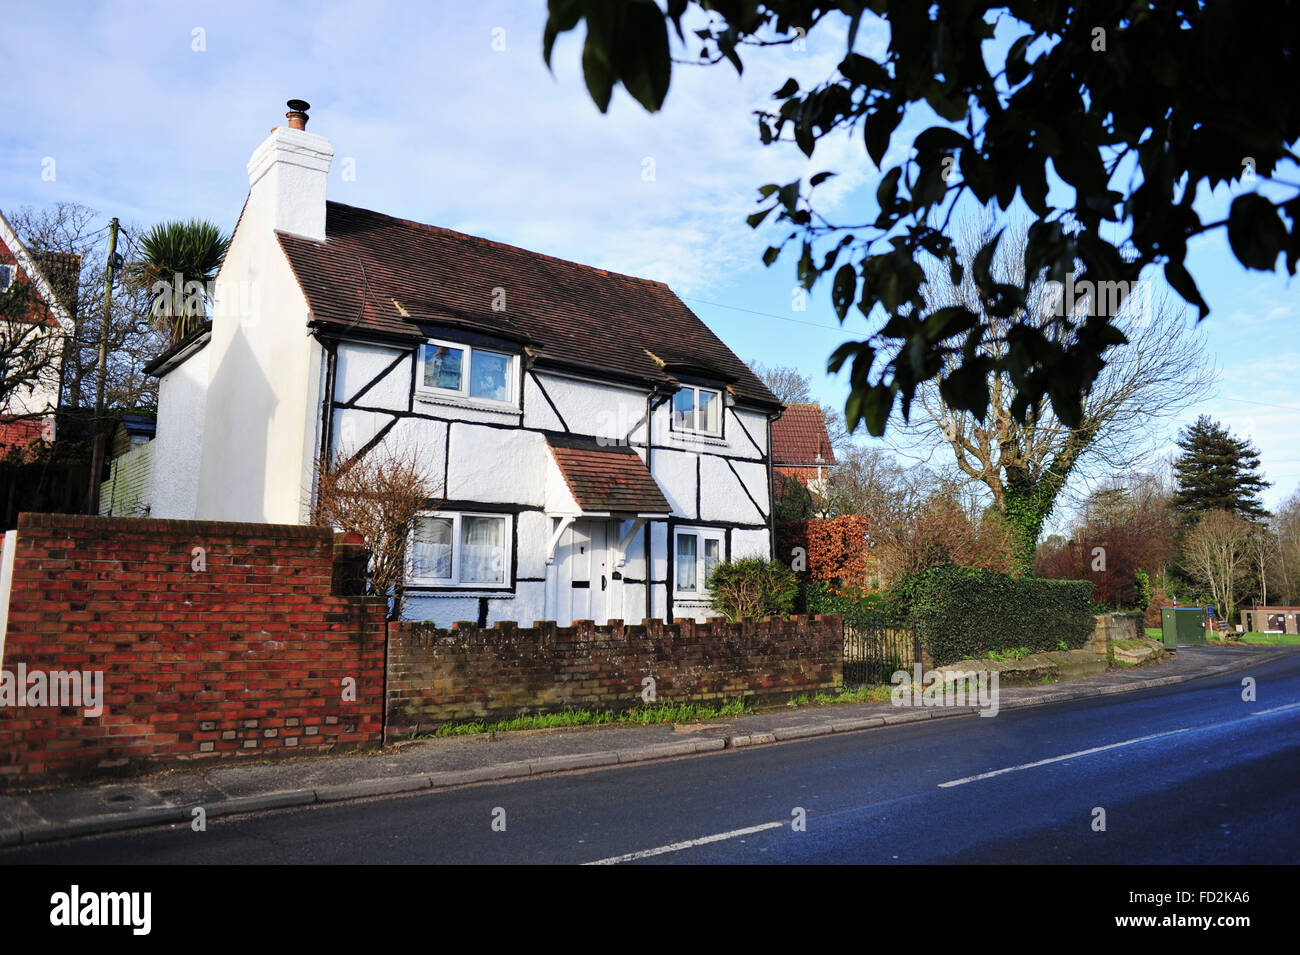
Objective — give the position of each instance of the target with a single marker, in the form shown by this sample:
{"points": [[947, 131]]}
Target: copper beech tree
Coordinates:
{"points": [[378, 495]]}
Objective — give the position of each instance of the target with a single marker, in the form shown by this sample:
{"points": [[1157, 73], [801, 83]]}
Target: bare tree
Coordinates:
{"points": [[1025, 466], [1286, 566], [869, 481], [1216, 556], [1262, 548], [29, 353], [378, 495], [134, 338]]}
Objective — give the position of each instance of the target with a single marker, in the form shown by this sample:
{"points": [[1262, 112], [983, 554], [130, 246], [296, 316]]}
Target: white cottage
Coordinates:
{"points": [[595, 448]]}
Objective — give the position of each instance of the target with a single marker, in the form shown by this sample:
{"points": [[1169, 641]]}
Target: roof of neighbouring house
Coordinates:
{"points": [[380, 275], [55, 276], [799, 436], [606, 477]]}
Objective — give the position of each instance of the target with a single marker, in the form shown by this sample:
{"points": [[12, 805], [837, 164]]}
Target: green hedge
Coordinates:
{"points": [[962, 613]]}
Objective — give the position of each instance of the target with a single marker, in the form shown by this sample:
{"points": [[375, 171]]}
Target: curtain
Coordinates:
{"points": [[712, 557], [483, 550], [686, 562], [432, 557]]}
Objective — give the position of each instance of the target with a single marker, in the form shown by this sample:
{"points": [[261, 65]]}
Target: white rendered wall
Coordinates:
{"points": [[263, 396], [178, 440]]}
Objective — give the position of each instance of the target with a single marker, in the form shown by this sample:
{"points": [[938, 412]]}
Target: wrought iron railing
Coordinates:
{"points": [[874, 650]]}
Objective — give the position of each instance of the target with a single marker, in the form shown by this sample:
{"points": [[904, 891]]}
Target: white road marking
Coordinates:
{"points": [[688, 844], [1102, 749]]}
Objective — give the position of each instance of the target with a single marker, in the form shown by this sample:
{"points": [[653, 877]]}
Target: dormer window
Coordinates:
{"points": [[455, 370], [697, 411]]}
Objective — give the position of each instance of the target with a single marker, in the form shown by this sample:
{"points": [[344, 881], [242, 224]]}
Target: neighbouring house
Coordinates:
{"points": [[595, 449], [801, 448], [31, 349]]}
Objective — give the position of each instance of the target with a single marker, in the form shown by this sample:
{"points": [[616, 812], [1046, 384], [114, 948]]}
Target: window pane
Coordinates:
{"points": [[432, 557], [489, 375], [712, 557], [710, 404], [684, 409], [442, 367], [483, 550], [685, 561]]}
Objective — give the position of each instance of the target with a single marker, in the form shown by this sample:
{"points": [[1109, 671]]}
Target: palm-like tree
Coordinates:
{"points": [[194, 251]]}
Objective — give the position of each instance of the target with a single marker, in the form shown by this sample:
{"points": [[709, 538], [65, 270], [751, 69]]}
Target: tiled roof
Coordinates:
{"points": [[799, 435], [386, 276], [606, 478], [63, 271]]}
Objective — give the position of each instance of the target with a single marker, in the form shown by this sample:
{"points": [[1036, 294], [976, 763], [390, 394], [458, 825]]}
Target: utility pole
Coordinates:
{"points": [[97, 424]]}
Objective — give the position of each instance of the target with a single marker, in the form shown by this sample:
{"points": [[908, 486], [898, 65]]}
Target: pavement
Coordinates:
{"points": [[224, 789]]}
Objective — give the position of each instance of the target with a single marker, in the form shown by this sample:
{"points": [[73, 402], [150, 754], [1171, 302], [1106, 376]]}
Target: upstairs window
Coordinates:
{"points": [[697, 411], [6, 277], [456, 370]]}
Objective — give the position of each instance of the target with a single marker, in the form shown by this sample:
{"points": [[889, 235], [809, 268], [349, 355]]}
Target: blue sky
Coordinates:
{"points": [[442, 126]]}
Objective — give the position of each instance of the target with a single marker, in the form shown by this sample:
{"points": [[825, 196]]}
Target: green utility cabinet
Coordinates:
{"points": [[1182, 625]]}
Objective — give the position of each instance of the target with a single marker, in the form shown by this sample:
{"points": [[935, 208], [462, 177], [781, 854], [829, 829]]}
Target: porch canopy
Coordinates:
{"points": [[594, 478]]}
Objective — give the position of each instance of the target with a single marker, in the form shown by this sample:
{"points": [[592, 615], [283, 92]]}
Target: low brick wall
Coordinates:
{"points": [[439, 675], [213, 639]]}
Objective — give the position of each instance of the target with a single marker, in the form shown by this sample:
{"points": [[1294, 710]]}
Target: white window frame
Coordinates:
{"points": [[456, 551], [701, 534], [467, 363], [12, 272], [695, 411]]}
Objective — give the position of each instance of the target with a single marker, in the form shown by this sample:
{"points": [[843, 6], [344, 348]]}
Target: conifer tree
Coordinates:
{"points": [[1217, 472]]}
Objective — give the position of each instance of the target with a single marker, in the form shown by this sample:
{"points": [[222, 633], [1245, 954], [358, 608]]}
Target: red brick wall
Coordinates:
{"points": [[439, 675], [244, 658]]}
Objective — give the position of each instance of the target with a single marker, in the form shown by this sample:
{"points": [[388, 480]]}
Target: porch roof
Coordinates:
{"points": [[607, 478]]}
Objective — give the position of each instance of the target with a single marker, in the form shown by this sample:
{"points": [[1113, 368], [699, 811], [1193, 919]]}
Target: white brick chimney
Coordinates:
{"points": [[287, 176]]}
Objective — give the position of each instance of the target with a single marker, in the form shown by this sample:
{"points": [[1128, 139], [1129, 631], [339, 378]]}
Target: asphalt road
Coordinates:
{"points": [[1184, 774]]}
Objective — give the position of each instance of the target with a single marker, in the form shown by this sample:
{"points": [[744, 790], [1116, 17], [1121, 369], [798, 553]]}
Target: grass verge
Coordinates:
{"points": [[869, 693], [639, 716], [1272, 639]]}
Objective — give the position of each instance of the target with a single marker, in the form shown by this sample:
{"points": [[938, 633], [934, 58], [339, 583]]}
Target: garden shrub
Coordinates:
{"points": [[752, 587], [860, 610], [962, 613]]}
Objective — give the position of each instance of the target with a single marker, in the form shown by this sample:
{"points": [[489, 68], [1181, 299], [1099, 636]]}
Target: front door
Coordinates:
{"points": [[583, 582]]}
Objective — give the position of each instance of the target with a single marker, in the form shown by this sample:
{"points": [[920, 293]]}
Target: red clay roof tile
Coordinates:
{"points": [[607, 478], [569, 314], [799, 435]]}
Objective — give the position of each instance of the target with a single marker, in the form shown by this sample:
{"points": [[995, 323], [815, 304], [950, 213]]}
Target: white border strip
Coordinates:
{"points": [[6, 584]]}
